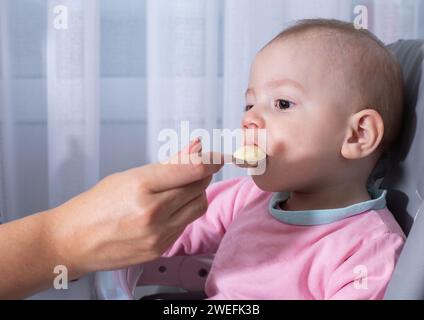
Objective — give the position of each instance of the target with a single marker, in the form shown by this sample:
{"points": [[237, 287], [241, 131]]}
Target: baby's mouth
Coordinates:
{"points": [[249, 156]]}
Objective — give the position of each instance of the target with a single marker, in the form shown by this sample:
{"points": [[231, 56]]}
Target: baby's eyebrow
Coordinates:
{"points": [[278, 83]]}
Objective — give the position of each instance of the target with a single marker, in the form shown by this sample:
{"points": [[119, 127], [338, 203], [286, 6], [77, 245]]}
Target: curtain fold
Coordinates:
{"points": [[168, 63], [73, 97], [2, 106], [182, 68], [8, 190]]}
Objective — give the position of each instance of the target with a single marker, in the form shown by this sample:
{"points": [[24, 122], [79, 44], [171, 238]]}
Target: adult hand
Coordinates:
{"points": [[127, 218], [133, 216]]}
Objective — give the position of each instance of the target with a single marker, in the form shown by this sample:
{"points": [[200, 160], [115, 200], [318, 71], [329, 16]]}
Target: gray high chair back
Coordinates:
{"points": [[404, 176], [401, 173]]}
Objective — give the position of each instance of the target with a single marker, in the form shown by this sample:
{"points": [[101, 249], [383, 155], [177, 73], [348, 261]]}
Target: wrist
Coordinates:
{"points": [[58, 238]]}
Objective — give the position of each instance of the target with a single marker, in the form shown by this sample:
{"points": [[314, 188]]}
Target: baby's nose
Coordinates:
{"points": [[252, 121], [250, 126]]}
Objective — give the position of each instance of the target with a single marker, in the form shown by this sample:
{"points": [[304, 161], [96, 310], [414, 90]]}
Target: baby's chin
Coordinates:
{"points": [[268, 183]]}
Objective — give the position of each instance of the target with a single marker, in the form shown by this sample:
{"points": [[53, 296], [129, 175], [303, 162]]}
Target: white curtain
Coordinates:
{"points": [[7, 183], [73, 80], [87, 96]]}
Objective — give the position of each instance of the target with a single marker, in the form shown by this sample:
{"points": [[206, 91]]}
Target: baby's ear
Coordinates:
{"points": [[364, 134]]}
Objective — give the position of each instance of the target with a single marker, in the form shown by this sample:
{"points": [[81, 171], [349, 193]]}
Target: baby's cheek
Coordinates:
{"points": [[276, 149], [276, 144], [284, 145]]}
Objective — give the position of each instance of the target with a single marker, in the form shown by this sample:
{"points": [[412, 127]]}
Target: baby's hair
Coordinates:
{"points": [[377, 75]]}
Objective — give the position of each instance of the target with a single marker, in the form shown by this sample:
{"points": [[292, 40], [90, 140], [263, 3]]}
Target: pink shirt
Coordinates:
{"points": [[259, 256]]}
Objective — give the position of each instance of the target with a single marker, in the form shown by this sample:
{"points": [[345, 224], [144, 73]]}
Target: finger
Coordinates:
{"points": [[163, 177], [183, 157], [189, 213], [175, 199]]}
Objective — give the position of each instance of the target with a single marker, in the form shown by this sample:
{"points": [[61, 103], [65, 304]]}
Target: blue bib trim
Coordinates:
{"points": [[321, 217]]}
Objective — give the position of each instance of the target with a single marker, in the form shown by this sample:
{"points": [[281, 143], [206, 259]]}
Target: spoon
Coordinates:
{"points": [[248, 156]]}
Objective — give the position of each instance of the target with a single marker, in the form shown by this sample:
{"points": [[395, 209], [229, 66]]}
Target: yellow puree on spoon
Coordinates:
{"points": [[248, 156]]}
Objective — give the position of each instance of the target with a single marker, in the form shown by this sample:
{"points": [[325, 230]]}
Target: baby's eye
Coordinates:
{"points": [[283, 104], [247, 108]]}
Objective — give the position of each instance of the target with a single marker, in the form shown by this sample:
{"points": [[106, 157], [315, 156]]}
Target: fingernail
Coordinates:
{"points": [[197, 148], [194, 144]]}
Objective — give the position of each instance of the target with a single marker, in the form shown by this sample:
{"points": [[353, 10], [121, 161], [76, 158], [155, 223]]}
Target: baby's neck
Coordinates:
{"points": [[333, 197]]}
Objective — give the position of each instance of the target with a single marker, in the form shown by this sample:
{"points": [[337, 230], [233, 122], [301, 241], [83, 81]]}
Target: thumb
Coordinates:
{"points": [[188, 154], [184, 168]]}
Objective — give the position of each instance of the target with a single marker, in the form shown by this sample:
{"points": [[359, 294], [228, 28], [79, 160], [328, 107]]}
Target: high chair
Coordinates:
{"points": [[404, 176], [401, 173]]}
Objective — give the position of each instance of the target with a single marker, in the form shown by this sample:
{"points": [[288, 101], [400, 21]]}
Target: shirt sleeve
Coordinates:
{"points": [[367, 272], [204, 235]]}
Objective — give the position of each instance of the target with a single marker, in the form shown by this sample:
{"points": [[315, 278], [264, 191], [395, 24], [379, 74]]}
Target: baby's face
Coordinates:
{"points": [[296, 95]]}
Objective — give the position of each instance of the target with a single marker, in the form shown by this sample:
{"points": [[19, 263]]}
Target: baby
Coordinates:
{"points": [[330, 98]]}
